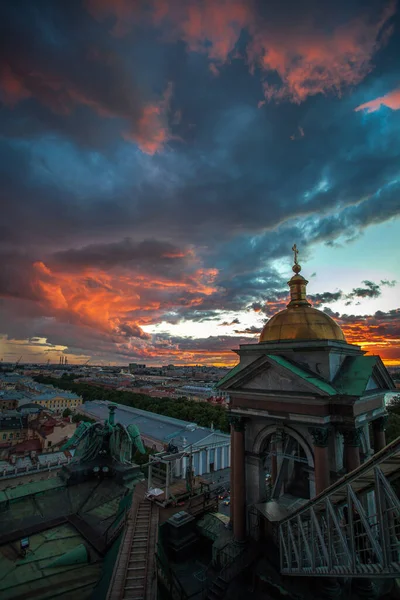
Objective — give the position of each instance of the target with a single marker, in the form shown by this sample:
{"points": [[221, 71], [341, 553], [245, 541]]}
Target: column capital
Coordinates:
{"points": [[237, 422], [380, 423], [320, 436], [352, 436]]}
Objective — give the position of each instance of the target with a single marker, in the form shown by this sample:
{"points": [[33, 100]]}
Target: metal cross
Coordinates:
{"points": [[295, 254]]}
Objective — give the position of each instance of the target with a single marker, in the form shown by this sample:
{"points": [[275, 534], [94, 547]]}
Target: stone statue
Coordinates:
{"points": [[105, 440]]}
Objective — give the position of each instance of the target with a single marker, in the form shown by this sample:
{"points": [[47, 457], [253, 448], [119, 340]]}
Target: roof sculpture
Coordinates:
{"points": [[106, 439]]}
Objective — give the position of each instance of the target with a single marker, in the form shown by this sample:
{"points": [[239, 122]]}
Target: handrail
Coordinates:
{"points": [[376, 459]]}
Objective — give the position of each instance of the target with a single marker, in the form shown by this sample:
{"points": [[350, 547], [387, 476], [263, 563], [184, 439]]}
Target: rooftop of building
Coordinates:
{"points": [[158, 427], [67, 559]]}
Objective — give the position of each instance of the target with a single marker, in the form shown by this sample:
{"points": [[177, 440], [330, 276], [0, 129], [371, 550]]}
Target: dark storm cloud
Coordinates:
{"points": [[121, 151], [325, 297], [228, 324], [249, 330], [151, 256], [371, 290]]}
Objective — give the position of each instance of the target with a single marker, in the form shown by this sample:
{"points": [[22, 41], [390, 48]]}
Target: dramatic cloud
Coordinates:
{"points": [[391, 100], [312, 61], [148, 205], [379, 333]]}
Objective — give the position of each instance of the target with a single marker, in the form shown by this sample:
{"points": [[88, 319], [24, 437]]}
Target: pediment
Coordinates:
{"points": [[270, 379], [275, 374]]}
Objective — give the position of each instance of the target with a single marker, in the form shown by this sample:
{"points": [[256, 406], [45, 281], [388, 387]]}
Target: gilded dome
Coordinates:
{"points": [[300, 321]]}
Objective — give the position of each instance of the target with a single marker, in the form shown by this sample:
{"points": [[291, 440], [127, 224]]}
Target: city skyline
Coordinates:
{"points": [[159, 159]]}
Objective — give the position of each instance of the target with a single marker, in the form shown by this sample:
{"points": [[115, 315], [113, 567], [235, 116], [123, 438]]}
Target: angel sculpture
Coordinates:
{"points": [[105, 440]]}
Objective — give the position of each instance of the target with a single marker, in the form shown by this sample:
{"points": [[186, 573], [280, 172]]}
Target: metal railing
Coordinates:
{"points": [[352, 528]]}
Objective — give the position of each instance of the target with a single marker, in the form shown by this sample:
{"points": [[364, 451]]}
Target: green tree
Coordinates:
{"points": [[67, 412], [201, 413]]}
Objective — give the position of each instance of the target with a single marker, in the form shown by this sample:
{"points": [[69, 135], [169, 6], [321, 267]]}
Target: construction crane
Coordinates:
{"points": [[87, 362], [18, 361]]}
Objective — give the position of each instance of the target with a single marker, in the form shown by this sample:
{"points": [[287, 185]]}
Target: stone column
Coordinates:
{"points": [[232, 474], [378, 428], [207, 461], [184, 467], [239, 482], [274, 464], [223, 457], [351, 436], [320, 437]]}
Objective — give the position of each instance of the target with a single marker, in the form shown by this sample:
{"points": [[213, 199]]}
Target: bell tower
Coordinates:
{"points": [[303, 403]]}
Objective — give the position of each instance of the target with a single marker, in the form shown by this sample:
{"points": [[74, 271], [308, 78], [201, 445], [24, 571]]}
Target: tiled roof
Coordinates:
{"points": [[27, 446]]}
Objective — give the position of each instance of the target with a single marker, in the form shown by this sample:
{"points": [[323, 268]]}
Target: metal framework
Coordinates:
{"points": [[352, 529]]}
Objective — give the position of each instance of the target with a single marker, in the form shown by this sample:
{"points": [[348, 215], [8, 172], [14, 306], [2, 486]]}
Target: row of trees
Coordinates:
{"points": [[393, 422], [201, 413]]}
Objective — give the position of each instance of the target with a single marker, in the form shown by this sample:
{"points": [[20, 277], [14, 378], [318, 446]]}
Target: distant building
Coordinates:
{"points": [[15, 428], [210, 449], [10, 399], [58, 400], [135, 368]]}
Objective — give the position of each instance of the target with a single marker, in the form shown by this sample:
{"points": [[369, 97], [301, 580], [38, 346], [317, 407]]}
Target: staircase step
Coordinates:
{"points": [[133, 587]]}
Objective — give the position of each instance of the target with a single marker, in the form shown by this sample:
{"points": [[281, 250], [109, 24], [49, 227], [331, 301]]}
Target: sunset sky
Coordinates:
{"points": [[159, 158]]}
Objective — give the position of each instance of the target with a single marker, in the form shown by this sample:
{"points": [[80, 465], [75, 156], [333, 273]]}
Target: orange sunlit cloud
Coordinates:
{"points": [[118, 304], [307, 59], [391, 100], [311, 62]]}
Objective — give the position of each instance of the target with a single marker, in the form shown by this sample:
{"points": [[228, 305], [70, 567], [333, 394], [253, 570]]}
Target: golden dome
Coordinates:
{"points": [[299, 321]]}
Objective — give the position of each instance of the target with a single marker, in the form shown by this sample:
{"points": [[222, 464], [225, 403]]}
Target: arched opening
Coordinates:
{"points": [[286, 463]]}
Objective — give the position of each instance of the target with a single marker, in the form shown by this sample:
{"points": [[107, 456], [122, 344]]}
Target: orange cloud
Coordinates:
{"points": [[311, 62], [117, 303], [151, 132], [309, 59], [391, 100]]}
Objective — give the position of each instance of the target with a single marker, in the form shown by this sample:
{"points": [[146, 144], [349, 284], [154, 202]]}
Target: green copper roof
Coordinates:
{"points": [[31, 577], [75, 556], [354, 375], [29, 489], [229, 375], [324, 386]]}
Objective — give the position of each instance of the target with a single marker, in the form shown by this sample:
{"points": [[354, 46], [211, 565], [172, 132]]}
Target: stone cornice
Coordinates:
{"points": [[279, 396], [301, 346]]}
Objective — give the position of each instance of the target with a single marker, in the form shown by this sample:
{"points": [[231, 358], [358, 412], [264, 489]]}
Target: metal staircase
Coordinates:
{"points": [[134, 576], [352, 529]]}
